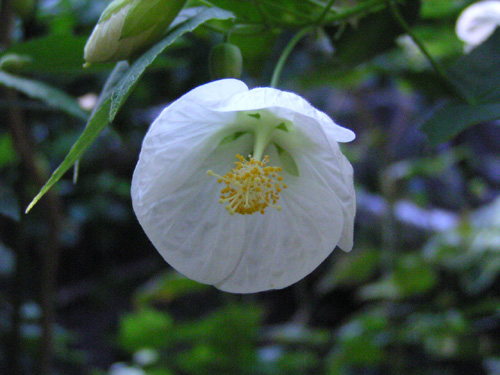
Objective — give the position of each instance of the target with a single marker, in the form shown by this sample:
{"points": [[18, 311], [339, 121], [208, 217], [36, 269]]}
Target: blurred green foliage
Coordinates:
{"points": [[418, 294]]}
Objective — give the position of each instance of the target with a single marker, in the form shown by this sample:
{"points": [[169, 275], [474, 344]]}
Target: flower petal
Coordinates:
{"points": [[285, 105], [177, 203], [333, 168], [170, 180], [478, 21], [282, 247], [188, 226], [180, 138]]}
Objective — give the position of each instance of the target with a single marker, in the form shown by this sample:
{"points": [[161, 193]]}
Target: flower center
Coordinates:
{"points": [[251, 186]]}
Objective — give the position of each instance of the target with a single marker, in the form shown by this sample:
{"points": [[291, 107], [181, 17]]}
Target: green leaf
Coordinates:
{"points": [[113, 97], [278, 12], [13, 63], [353, 47], [477, 74], [121, 68], [50, 95], [438, 9], [201, 15], [8, 155], [385, 288], [287, 160], [109, 104], [166, 287], [54, 53], [351, 271], [223, 342], [361, 340], [452, 118], [145, 329], [413, 276], [97, 122]]}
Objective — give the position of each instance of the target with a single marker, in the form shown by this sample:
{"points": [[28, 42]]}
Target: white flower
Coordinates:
{"points": [[184, 167], [146, 357], [120, 368], [477, 22]]}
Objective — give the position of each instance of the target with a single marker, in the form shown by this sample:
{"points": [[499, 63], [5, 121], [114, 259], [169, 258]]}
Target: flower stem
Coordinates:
{"points": [[286, 52], [435, 65], [323, 14]]}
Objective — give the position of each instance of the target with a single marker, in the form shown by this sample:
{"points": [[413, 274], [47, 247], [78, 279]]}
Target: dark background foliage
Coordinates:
{"points": [[82, 290]]}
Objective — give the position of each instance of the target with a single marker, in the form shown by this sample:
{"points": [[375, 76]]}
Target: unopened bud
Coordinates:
{"points": [[127, 27], [225, 61]]}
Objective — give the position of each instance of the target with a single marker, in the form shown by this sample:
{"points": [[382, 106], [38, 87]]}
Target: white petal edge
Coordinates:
{"points": [[204, 265], [270, 98], [478, 21]]}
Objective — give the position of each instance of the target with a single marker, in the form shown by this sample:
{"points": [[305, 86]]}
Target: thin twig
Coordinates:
{"points": [[323, 14], [435, 65]]}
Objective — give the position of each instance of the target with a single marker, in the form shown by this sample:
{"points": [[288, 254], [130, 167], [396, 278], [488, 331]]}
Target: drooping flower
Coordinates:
{"points": [[243, 189], [477, 22], [127, 27]]}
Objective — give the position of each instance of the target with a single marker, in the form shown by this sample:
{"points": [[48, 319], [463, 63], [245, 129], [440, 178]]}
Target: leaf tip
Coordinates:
{"points": [[32, 204], [35, 200]]}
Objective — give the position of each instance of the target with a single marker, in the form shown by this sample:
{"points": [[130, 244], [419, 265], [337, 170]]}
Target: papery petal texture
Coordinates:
{"points": [[477, 22], [177, 204]]}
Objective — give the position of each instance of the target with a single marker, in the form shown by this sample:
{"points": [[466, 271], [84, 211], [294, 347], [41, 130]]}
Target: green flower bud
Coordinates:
{"points": [[13, 63], [127, 27], [225, 61]]}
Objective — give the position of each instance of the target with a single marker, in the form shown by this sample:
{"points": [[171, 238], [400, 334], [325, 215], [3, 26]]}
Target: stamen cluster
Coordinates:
{"points": [[251, 186]]}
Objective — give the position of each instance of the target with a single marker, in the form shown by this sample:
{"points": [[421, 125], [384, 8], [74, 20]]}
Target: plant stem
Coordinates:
{"points": [[323, 14], [286, 52], [435, 65], [24, 147], [362, 9]]}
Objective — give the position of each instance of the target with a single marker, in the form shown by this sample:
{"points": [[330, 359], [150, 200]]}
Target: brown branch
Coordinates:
{"points": [[25, 148]]}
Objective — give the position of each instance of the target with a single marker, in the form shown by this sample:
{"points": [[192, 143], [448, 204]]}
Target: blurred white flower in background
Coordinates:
{"points": [[477, 22], [267, 222], [121, 368], [145, 357]]}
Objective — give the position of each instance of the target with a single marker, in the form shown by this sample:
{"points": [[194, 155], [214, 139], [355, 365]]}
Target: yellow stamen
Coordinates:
{"points": [[251, 186]]}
